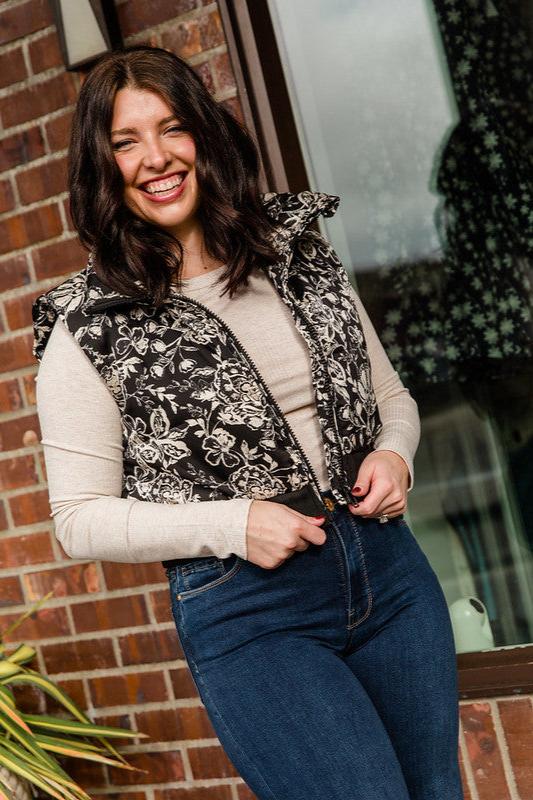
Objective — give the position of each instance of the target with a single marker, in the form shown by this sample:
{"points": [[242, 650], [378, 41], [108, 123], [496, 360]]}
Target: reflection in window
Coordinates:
{"points": [[419, 115]]}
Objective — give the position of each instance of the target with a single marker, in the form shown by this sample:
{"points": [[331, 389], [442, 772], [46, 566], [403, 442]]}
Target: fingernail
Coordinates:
{"points": [[357, 489]]}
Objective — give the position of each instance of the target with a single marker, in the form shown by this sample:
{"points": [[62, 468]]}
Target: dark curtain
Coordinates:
{"points": [[468, 314]]}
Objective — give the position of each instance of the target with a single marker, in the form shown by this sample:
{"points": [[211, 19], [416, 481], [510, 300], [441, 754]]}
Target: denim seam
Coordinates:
{"points": [[365, 578], [200, 681], [223, 578], [343, 567]]}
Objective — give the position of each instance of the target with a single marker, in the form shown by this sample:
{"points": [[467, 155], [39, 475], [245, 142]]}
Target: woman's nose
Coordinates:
{"points": [[155, 155]]}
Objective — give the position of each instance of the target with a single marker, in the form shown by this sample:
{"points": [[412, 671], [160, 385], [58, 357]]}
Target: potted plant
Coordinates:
{"points": [[31, 743]]}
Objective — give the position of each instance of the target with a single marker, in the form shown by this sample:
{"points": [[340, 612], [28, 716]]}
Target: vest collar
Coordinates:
{"points": [[291, 212]]}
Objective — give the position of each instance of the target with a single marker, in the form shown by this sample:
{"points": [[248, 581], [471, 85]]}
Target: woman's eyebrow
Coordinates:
{"points": [[134, 130]]}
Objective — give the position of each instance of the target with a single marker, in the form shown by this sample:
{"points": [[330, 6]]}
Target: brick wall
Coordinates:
{"points": [[107, 635]]}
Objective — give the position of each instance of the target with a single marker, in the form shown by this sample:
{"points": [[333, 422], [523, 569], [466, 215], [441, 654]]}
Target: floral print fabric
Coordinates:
{"points": [[198, 421]]}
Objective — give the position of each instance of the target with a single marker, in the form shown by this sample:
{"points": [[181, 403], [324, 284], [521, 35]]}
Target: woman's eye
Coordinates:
{"points": [[175, 128], [118, 145]]}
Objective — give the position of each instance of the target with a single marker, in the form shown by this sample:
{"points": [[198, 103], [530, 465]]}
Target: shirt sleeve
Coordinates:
{"points": [[82, 444], [397, 408]]}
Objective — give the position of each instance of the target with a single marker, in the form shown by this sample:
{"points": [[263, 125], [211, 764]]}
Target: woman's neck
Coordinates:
{"points": [[196, 260]]}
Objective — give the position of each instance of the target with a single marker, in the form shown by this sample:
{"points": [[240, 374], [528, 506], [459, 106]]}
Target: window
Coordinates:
{"points": [[415, 113]]}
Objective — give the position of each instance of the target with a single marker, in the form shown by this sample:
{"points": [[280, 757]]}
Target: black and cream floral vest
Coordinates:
{"points": [[198, 420]]}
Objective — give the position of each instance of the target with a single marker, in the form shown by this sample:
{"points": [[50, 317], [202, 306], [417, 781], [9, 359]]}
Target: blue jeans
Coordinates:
{"points": [[333, 675]]}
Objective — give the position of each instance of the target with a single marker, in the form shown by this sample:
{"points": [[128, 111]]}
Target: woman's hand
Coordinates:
{"points": [[383, 477], [275, 532]]}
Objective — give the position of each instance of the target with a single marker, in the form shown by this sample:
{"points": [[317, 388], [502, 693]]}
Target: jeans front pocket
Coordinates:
{"points": [[204, 573]]}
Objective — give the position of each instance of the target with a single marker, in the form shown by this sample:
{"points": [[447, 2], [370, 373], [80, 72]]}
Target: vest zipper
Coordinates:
{"points": [[346, 494], [266, 388]]}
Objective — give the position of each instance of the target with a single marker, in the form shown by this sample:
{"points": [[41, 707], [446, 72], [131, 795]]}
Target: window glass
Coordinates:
{"points": [[418, 114]]}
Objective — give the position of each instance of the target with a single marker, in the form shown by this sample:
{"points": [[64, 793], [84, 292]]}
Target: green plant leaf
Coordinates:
{"points": [[79, 743], [7, 669], [22, 654], [69, 747], [32, 677], [27, 739], [55, 771], [80, 728], [8, 696], [7, 710], [18, 767]]}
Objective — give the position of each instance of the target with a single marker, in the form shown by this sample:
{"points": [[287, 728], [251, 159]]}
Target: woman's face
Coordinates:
{"points": [[156, 159]]}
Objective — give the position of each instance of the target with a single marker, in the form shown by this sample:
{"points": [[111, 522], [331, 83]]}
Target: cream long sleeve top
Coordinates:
{"points": [[82, 436]]}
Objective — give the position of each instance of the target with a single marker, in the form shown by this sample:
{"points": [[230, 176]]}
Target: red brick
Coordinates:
{"points": [[160, 601], [21, 148], [34, 226], [123, 576], [162, 767], [75, 690], [7, 199], [245, 793], [28, 382], [29, 699], [175, 724], [68, 215], [23, 19], [42, 624], [150, 647], [183, 683], [45, 53], [123, 796], [10, 592], [115, 612], [127, 796], [183, 39], [63, 581], [15, 353], [198, 793], [13, 272], [517, 720], [58, 131], [211, 30], [129, 689], [45, 180], [32, 548], [137, 15], [18, 310], [59, 258], [483, 752], [3, 518], [221, 66], [115, 721], [17, 472], [14, 432], [12, 66], [203, 69], [10, 397], [87, 773], [38, 99], [85, 654], [28, 509], [211, 762]]}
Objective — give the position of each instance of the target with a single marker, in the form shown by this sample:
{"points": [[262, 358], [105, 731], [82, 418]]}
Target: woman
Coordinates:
{"points": [[213, 395]]}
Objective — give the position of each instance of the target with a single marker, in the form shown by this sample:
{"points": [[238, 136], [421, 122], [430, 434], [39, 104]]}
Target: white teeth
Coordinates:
{"points": [[164, 186]]}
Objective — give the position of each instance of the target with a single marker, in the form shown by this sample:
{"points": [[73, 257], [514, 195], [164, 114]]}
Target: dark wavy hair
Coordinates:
{"points": [[127, 249]]}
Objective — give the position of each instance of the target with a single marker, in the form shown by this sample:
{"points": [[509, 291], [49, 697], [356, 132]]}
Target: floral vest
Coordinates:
{"points": [[198, 420]]}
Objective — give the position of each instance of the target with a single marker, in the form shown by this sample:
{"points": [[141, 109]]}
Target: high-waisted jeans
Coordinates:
{"points": [[333, 675]]}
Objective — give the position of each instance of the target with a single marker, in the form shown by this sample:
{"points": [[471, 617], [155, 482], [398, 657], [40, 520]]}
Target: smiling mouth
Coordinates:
{"points": [[165, 186]]}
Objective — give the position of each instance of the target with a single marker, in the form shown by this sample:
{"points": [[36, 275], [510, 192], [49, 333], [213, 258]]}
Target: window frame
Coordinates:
{"points": [[268, 115]]}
